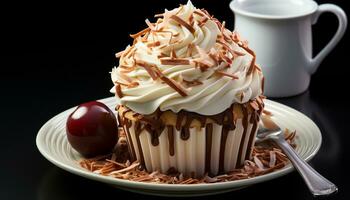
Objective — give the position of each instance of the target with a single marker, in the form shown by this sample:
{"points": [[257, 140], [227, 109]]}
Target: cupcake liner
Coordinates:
{"points": [[210, 149]]}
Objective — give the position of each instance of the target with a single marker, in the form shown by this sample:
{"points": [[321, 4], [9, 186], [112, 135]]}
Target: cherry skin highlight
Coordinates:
{"points": [[92, 129]]}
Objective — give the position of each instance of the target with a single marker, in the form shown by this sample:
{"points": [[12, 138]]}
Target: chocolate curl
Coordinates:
{"points": [[173, 84], [174, 61], [183, 23], [226, 74], [149, 68], [136, 35], [252, 64], [118, 91]]}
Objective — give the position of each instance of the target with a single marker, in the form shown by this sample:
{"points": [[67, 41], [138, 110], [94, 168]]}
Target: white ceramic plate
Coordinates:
{"points": [[53, 145]]}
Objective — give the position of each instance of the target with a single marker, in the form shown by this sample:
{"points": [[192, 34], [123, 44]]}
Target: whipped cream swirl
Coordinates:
{"points": [[187, 60]]}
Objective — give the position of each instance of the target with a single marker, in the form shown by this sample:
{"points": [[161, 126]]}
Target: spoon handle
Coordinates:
{"points": [[317, 184]]}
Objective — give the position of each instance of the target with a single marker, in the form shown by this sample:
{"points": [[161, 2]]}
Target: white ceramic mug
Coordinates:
{"points": [[280, 32]]}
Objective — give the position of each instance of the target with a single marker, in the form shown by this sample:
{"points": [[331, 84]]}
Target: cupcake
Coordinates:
{"points": [[189, 94]]}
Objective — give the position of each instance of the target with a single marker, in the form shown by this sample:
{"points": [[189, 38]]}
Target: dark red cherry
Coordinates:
{"points": [[92, 129]]}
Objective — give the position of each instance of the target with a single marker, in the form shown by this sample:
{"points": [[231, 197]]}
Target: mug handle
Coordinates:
{"points": [[315, 62]]}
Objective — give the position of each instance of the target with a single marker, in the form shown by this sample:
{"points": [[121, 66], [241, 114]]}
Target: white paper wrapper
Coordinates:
{"points": [[190, 155]]}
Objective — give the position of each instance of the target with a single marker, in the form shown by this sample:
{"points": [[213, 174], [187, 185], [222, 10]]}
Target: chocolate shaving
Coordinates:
{"points": [[118, 90], [206, 12], [125, 66], [258, 68], [203, 21], [225, 58], [226, 74], [125, 77], [202, 66], [183, 23], [144, 37], [252, 64], [226, 47], [133, 84], [126, 69], [153, 44], [224, 32], [226, 37], [174, 61], [150, 25], [119, 54], [190, 19], [173, 84], [149, 68], [222, 26], [192, 83], [235, 37], [155, 73], [245, 43], [127, 51], [179, 9], [163, 46], [204, 61], [131, 53], [136, 35], [162, 55], [170, 38], [200, 13], [218, 23], [120, 83], [189, 50], [254, 105], [173, 54], [238, 53]]}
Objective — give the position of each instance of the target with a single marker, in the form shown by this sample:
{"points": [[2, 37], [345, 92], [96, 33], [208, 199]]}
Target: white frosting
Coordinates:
{"points": [[214, 95]]}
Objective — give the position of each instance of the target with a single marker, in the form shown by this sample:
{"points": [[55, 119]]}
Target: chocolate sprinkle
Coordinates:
{"points": [[174, 61]]}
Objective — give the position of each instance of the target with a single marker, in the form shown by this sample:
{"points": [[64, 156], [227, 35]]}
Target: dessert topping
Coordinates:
{"points": [[186, 42]]}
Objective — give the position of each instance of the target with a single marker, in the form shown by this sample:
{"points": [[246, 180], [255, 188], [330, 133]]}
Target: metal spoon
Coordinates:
{"points": [[317, 184]]}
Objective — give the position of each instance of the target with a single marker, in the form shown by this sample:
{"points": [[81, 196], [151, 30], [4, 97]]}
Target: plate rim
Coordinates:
{"points": [[172, 187]]}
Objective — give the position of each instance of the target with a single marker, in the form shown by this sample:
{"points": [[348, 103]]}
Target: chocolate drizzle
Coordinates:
{"points": [[189, 117], [185, 134], [126, 124], [131, 144], [154, 125], [208, 141], [250, 141], [222, 148], [171, 139], [245, 126], [254, 119]]}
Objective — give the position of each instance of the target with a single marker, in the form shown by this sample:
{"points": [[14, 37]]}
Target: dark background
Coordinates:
{"points": [[55, 56]]}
